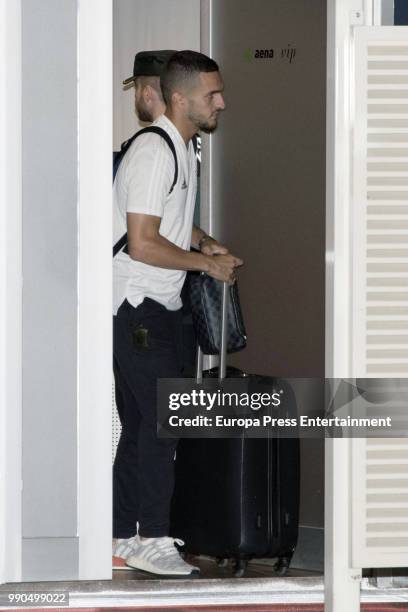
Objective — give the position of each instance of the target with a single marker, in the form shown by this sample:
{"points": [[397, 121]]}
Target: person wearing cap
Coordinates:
{"points": [[147, 68], [147, 281]]}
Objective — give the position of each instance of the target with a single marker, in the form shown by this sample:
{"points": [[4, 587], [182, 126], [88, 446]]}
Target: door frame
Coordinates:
{"points": [[342, 580], [94, 392], [11, 292], [94, 356], [94, 60]]}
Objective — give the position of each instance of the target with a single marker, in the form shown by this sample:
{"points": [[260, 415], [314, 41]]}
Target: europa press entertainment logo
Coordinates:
{"points": [[282, 54]]}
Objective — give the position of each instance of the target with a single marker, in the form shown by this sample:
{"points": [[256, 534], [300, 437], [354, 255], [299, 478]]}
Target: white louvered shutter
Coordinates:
{"points": [[380, 284], [380, 502], [380, 202]]}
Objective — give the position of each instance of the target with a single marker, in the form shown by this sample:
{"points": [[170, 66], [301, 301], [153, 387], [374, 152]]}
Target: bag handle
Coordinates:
{"points": [[222, 369]]}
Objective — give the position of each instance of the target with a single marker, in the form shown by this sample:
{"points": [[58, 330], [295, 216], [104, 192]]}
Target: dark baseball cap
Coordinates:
{"points": [[149, 63]]}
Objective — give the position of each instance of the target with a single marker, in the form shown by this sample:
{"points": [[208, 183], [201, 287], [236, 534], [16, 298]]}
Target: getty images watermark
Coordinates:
{"points": [[259, 407], [208, 400]]}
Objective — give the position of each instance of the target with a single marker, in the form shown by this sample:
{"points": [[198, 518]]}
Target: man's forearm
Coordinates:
{"points": [[160, 252]]}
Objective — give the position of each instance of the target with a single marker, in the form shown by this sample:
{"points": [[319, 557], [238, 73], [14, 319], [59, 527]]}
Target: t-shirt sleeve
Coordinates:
{"points": [[149, 175]]}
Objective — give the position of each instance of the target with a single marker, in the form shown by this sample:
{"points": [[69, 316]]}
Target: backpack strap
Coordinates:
{"points": [[119, 155], [122, 242]]}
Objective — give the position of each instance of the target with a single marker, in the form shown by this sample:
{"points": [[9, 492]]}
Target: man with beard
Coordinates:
{"points": [[148, 280], [147, 68]]}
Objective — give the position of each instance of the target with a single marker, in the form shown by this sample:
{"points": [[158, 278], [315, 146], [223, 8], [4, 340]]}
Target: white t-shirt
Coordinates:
{"points": [[142, 185]]}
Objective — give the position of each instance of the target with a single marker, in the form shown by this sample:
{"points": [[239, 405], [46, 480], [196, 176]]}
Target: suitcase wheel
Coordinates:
{"points": [[240, 566], [282, 565], [221, 561]]}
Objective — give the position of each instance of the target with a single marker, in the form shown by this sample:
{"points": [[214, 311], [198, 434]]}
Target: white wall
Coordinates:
{"points": [[143, 25]]}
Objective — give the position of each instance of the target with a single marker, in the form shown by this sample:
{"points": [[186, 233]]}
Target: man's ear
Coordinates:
{"points": [[178, 99], [147, 93]]}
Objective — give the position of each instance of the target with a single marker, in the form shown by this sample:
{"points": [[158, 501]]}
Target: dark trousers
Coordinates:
{"points": [[147, 345]]}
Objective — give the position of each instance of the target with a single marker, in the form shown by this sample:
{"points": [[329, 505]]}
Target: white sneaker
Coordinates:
{"points": [[120, 552], [159, 556]]}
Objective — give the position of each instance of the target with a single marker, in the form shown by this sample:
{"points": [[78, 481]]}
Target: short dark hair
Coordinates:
{"points": [[182, 69]]}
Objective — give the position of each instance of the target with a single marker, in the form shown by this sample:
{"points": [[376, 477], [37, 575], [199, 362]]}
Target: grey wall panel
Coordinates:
{"points": [[387, 12], [49, 268], [269, 176], [50, 559]]}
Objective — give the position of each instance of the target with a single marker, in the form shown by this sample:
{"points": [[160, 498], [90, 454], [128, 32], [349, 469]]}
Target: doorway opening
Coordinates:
{"points": [[262, 193]]}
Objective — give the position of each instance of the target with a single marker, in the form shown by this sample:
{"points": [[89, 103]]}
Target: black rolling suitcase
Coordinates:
{"points": [[239, 497]]}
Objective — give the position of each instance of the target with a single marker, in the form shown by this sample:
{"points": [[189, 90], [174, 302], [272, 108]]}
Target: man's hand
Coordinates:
{"points": [[222, 267], [209, 246], [146, 244]]}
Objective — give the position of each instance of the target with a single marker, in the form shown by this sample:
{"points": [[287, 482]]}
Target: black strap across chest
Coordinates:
{"points": [[119, 155]]}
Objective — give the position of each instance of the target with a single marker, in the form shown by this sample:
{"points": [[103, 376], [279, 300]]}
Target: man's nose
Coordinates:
{"points": [[220, 102]]}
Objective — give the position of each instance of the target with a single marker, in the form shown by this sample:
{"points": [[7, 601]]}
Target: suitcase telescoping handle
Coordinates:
{"points": [[223, 341]]}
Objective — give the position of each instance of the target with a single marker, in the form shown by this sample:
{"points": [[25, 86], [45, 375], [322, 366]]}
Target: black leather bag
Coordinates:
{"points": [[205, 295]]}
